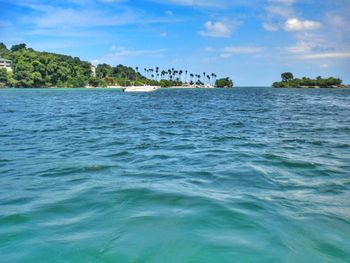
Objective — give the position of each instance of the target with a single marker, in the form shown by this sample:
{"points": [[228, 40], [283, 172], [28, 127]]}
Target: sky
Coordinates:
{"points": [[250, 41]]}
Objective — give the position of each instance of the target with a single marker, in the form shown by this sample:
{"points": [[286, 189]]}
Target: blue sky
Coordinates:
{"points": [[250, 41]]}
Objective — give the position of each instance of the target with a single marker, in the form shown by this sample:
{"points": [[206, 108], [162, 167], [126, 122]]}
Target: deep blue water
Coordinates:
{"points": [[241, 175]]}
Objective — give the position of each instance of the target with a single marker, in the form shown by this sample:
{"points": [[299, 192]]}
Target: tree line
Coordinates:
{"points": [[289, 81], [43, 69], [127, 76]]}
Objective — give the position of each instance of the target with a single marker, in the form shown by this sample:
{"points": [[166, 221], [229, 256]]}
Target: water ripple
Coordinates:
{"points": [[242, 175]]}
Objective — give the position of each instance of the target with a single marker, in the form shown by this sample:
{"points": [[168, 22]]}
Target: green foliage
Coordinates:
{"points": [[103, 71], [124, 82], [224, 83], [307, 82], [42, 69], [103, 83], [287, 76], [18, 47], [129, 73], [164, 83], [94, 82], [76, 82], [3, 76], [120, 75], [3, 51]]}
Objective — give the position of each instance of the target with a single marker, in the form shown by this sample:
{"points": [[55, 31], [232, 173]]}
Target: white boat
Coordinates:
{"points": [[141, 89]]}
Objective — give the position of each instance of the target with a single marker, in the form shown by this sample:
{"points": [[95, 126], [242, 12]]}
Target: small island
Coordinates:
{"points": [[23, 67], [288, 81]]}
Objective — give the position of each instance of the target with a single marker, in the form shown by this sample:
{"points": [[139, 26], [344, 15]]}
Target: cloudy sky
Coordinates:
{"points": [[251, 41]]}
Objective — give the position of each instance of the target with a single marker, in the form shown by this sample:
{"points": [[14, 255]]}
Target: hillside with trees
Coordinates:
{"points": [[289, 81], [43, 69]]}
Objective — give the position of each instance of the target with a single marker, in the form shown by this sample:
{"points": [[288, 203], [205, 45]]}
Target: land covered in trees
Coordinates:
{"points": [[289, 81], [43, 69]]}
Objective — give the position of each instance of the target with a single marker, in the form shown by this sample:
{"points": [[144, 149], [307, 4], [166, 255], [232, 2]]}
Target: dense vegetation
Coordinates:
{"points": [[288, 81], [42, 69], [224, 83]]}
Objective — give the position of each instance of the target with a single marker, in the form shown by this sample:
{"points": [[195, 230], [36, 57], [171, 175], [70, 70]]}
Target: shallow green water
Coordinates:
{"points": [[241, 175]]}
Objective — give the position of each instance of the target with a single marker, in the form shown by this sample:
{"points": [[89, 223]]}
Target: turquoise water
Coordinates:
{"points": [[241, 175]]}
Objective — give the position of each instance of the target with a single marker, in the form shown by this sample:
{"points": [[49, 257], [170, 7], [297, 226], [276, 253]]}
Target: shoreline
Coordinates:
{"points": [[316, 87], [116, 87]]}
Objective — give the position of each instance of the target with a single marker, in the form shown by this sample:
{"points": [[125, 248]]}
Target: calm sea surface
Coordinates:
{"points": [[241, 175]]}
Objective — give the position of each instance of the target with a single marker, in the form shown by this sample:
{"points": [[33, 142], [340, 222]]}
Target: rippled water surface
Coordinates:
{"points": [[241, 175]]}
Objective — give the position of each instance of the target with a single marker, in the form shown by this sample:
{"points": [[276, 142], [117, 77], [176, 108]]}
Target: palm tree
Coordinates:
{"points": [[180, 74], [169, 73], [191, 76], [137, 72], [208, 77], [186, 75], [157, 71], [151, 71]]}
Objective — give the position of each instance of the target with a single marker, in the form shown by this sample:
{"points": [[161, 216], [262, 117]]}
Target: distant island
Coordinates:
{"points": [[24, 67], [288, 81]]}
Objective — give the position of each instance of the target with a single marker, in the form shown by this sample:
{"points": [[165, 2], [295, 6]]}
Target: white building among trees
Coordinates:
{"points": [[5, 63], [93, 70]]}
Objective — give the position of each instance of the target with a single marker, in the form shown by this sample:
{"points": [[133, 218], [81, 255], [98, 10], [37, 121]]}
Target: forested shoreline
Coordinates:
{"points": [[34, 69], [289, 81]]}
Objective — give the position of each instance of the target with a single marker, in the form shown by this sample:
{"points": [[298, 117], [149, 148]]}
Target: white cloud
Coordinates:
{"points": [[112, 1], [311, 42], [198, 3], [270, 27], [295, 24], [279, 11], [232, 50], [58, 17], [242, 49], [209, 49], [339, 21], [339, 27], [120, 52], [324, 66], [328, 55], [301, 47], [216, 29], [285, 2]]}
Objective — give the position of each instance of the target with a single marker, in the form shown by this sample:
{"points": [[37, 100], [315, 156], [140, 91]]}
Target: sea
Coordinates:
{"points": [[248, 174]]}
